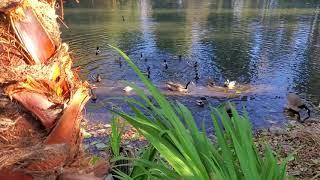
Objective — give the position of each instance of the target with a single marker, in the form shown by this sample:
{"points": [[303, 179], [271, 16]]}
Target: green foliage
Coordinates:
{"points": [[171, 130], [116, 133]]}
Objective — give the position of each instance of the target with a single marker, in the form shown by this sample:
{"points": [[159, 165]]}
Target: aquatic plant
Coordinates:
{"points": [[173, 134]]}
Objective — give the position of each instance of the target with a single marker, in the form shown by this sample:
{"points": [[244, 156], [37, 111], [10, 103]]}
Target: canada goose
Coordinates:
{"points": [[296, 104], [98, 78], [202, 101], [165, 64], [230, 84], [128, 89], [97, 51], [177, 87], [93, 96], [123, 18]]}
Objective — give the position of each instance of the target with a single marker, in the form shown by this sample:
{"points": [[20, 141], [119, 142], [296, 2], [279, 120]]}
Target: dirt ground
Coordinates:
{"points": [[300, 140]]}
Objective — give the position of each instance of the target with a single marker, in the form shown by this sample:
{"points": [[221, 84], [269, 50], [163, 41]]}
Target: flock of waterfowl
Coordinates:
{"points": [[295, 104]]}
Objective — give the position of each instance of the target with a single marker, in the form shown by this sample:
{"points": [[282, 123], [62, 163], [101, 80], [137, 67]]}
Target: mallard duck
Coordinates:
{"points": [[230, 84], [195, 65], [127, 89], [197, 76], [165, 64], [98, 78], [202, 101], [119, 62], [177, 87], [147, 72], [211, 83], [97, 51], [93, 96], [296, 104]]}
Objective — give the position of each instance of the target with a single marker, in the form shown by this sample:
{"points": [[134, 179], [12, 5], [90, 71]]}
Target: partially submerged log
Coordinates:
{"points": [[41, 97]]}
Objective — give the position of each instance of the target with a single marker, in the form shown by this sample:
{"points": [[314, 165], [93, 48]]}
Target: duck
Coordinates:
{"points": [[165, 64], [93, 96], [123, 18], [211, 83], [197, 76], [230, 84], [127, 89], [98, 51], [148, 72], [119, 61], [177, 87], [180, 57], [141, 55], [202, 101], [195, 65], [295, 104], [98, 78]]}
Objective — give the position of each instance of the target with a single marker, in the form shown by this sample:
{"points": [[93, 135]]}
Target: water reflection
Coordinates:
{"points": [[265, 42]]}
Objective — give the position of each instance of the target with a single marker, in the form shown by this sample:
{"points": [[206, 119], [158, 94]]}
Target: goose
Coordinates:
{"points": [[230, 84], [202, 101], [165, 64], [98, 51], [295, 105], [177, 87]]}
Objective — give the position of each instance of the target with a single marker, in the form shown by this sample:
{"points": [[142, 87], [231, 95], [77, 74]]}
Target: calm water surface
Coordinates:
{"points": [[274, 43]]}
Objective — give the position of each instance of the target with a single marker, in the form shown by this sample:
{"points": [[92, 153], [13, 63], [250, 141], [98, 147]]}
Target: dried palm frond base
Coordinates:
{"points": [[41, 98], [303, 140]]}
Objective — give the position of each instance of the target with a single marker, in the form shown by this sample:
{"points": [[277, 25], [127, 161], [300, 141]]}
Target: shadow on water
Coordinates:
{"points": [[257, 43]]}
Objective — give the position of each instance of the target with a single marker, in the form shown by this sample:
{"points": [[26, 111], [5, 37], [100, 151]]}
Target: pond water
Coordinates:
{"points": [[265, 43]]}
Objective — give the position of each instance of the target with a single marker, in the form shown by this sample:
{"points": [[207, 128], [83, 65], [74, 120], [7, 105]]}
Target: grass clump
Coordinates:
{"points": [[178, 149]]}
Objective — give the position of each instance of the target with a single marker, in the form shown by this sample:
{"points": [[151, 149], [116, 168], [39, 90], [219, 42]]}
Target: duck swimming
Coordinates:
{"points": [[98, 78], [97, 51], [177, 87], [127, 89], [230, 84], [93, 96], [165, 64], [148, 72], [295, 104], [202, 101]]}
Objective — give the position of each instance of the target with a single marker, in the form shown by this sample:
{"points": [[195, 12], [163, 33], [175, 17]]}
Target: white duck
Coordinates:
{"points": [[230, 84]]}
